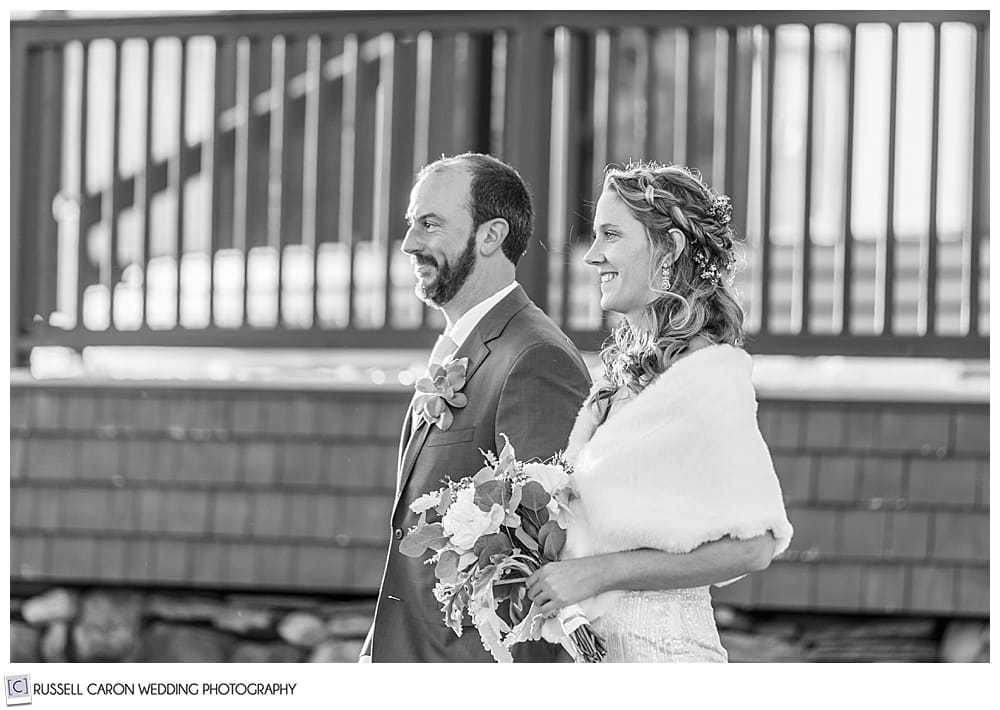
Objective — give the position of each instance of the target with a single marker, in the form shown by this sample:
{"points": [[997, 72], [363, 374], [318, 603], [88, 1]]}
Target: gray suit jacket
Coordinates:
{"points": [[525, 379]]}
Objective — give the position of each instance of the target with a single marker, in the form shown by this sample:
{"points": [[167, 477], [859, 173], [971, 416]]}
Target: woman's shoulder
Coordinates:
{"points": [[704, 352], [704, 364]]}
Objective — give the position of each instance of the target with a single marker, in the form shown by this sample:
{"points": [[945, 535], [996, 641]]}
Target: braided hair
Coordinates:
{"points": [[701, 299]]}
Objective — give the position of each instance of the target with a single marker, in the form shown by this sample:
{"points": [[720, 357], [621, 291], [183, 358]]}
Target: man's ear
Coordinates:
{"points": [[494, 231]]}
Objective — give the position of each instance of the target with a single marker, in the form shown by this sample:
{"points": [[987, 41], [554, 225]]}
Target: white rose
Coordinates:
{"points": [[551, 478], [465, 522], [426, 502]]}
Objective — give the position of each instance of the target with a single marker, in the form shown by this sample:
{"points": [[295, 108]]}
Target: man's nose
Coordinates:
{"points": [[409, 245]]}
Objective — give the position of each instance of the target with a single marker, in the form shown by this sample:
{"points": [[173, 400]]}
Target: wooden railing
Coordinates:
{"points": [[240, 179]]}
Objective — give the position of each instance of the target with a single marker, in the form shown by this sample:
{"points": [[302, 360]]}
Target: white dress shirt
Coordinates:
{"points": [[461, 328]]}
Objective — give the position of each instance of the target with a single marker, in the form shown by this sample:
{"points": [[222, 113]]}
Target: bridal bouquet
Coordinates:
{"points": [[487, 533]]}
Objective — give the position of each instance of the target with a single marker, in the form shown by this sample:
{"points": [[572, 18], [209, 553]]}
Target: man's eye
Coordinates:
{"points": [[427, 224]]}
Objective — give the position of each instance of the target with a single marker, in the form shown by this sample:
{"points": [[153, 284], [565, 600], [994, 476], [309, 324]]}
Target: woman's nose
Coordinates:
{"points": [[594, 255]]}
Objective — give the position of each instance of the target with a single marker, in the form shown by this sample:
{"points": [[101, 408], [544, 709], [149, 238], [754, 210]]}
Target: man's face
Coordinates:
{"points": [[440, 241]]}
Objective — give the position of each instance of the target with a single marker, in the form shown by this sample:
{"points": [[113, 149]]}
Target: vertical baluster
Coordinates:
{"points": [[369, 61], [980, 177], [665, 47], [716, 159], [805, 300], [382, 170], [889, 262], [116, 185], [85, 202], [329, 130], [847, 271], [691, 123], [349, 153], [257, 157], [223, 158], [731, 113], [679, 90], [767, 160], [292, 157], [602, 103], [400, 115], [929, 297], [740, 79], [147, 178], [422, 106], [652, 84], [181, 173], [614, 154], [578, 187]]}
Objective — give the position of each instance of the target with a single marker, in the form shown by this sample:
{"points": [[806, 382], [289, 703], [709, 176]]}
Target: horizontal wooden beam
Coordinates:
{"points": [[940, 346], [235, 24]]}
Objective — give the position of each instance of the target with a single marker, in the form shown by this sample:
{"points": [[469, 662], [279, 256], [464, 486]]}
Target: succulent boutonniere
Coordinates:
{"points": [[440, 390]]}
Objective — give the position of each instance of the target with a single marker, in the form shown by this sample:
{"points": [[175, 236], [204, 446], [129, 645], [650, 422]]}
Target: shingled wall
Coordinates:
{"points": [[289, 490]]}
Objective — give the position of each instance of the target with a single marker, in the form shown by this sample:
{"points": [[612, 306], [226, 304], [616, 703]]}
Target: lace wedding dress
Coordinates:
{"points": [[670, 626]]}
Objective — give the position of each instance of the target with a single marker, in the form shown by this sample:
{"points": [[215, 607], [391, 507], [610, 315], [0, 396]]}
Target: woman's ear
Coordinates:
{"points": [[679, 243], [496, 231]]}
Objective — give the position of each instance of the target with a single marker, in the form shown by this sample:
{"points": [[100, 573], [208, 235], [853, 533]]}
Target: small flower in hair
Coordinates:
{"points": [[709, 269], [722, 209]]}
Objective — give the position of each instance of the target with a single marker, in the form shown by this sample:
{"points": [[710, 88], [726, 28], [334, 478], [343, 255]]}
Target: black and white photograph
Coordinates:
{"points": [[498, 336]]}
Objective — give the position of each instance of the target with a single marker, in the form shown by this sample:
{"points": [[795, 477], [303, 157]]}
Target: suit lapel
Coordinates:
{"points": [[476, 348]]}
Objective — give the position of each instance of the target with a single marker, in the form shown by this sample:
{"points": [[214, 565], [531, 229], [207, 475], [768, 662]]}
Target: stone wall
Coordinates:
{"points": [[104, 625]]}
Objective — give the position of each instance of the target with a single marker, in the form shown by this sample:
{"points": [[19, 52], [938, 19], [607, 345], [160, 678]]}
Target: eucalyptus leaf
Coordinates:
{"points": [[552, 538], [419, 539], [512, 521], [533, 520], [483, 475], [533, 496], [489, 545], [526, 540], [490, 493], [447, 566]]}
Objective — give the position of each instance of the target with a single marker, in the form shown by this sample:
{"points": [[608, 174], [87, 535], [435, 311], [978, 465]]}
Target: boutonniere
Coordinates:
{"points": [[439, 391]]}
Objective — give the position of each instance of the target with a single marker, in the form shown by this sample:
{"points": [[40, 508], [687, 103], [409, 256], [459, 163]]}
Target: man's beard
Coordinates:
{"points": [[450, 278]]}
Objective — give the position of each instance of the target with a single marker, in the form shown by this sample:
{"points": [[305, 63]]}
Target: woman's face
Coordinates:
{"points": [[621, 253]]}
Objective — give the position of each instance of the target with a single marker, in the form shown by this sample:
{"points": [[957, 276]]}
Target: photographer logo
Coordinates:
{"points": [[18, 689]]}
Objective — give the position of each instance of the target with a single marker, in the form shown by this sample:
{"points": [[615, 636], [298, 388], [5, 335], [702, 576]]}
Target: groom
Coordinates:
{"points": [[470, 220]]}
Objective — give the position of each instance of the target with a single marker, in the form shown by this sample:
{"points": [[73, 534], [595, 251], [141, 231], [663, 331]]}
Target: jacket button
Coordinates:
{"points": [[398, 534]]}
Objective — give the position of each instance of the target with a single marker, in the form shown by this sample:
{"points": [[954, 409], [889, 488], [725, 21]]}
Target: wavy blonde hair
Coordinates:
{"points": [[664, 198]]}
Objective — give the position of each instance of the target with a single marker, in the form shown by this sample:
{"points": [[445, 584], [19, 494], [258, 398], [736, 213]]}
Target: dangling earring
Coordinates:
{"points": [[666, 273]]}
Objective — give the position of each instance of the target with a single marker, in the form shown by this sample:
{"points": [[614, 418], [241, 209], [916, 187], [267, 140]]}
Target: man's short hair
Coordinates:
{"points": [[496, 190]]}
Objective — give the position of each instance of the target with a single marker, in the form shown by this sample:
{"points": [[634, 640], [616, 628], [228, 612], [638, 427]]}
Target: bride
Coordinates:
{"points": [[676, 486]]}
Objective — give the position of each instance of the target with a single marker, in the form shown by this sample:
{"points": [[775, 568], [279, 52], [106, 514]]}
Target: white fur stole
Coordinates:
{"points": [[683, 463]]}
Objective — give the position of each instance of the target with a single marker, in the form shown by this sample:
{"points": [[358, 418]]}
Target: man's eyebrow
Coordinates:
{"points": [[432, 215]]}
